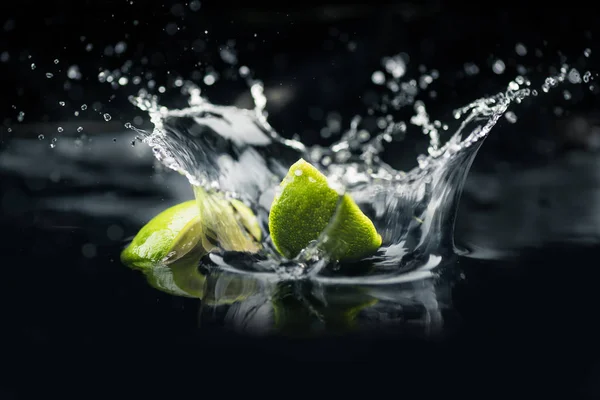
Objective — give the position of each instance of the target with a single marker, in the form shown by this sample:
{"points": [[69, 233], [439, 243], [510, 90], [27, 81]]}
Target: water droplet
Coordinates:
{"points": [[56, 61], [396, 66], [298, 172], [84, 107], [33, 66], [574, 76], [567, 95], [210, 78], [49, 75], [471, 69], [132, 143], [128, 125], [520, 49], [123, 81], [73, 72], [80, 128], [228, 55], [41, 137], [244, 71], [20, 116], [378, 78], [59, 129], [511, 117], [195, 5], [120, 47], [107, 117], [587, 52], [587, 76], [61, 103], [171, 28], [498, 67]]}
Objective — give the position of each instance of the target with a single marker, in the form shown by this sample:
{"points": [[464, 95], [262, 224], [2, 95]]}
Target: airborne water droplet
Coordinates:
{"points": [[61, 103], [60, 129], [84, 107], [79, 129], [210, 78], [511, 117], [498, 67], [73, 72], [107, 117], [520, 49], [41, 137], [49, 75], [378, 78], [587, 76], [244, 71], [21, 116], [32, 66]]}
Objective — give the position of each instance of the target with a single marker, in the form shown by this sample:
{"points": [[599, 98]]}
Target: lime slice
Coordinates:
{"points": [[182, 228], [171, 233], [306, 206]]}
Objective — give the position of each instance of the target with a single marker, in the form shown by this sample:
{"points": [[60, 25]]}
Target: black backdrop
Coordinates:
{"points": [[520, 328]]}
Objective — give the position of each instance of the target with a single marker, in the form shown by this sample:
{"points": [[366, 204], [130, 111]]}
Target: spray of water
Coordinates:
{"points": [[236, 152]]}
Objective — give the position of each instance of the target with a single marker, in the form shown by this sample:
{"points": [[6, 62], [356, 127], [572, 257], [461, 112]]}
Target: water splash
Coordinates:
{"points": [[236, 152]]}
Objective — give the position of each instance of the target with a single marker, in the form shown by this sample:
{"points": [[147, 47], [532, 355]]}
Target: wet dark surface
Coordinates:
{"points": [[524, 313]]}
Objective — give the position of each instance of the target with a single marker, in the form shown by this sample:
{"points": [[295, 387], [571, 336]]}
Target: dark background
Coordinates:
{"points": [[525, 324]]}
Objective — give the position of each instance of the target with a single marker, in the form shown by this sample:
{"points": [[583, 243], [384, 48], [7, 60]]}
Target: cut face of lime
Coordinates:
{"points": [[307, 206], [227, 223]]}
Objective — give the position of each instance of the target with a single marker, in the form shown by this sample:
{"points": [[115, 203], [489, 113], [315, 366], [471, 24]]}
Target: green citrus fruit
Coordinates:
{"points": [[182, 228], [307, 206]]}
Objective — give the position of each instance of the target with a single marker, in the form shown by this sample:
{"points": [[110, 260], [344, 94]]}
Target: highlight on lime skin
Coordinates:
{"points": [[305, 209]]}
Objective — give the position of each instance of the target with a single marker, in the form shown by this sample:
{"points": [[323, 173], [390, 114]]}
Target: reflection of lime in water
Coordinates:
{"points": [[180, 278], [307, 206], [303, 314], [226, 288]]}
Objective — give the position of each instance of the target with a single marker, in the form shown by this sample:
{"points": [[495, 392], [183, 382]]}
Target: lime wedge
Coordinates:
{"points": [[180, 229], [170, 233], [306, 206]]}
